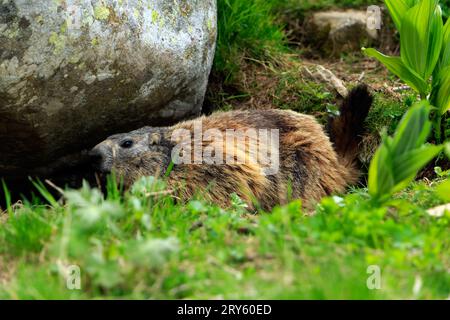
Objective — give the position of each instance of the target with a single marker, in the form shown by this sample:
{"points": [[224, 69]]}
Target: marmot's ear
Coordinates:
{"points": [[154, 138]]}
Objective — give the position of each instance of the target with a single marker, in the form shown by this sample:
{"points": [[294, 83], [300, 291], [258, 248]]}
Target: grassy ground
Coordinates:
{"points": [[145, 245]]}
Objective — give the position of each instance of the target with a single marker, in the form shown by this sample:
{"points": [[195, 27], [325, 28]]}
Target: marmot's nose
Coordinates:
{"points": [[95, 154], [98, 159]]}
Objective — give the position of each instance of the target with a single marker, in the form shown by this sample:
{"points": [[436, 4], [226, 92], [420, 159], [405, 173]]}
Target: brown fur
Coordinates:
{"points": [[310, 168]]}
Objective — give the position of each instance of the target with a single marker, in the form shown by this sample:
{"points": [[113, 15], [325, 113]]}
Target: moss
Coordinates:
{"points": [[155, 16], [386, 112], [58, 41], [304, 96], [94, 41], [157, 19], [101, 13], [39, 19], [75, 59], [63, 28], [209, 24], [12, 32]]}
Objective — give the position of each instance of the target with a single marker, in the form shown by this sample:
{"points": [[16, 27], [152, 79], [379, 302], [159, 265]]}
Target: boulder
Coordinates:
{"points": [[341, 31], [75, 71]]}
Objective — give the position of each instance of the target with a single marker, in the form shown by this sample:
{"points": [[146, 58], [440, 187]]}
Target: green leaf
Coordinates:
{"points": [[447, 149], [408, 164], [381, 179], [397, 9], [398, 159], [441, 91], [413, 129], [445, 52], [443, 190], [397, 67], [421, 36]]}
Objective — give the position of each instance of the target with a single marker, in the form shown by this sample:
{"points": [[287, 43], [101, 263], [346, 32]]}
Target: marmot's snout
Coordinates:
{"points": [[101, 158]]}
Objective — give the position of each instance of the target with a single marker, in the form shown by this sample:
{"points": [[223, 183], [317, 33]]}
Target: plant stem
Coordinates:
{"points": [[437, 127]]}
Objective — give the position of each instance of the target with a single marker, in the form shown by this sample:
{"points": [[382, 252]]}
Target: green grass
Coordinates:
{"points": [[387, 112], [305, 96], [246, 29], [141, 246]]}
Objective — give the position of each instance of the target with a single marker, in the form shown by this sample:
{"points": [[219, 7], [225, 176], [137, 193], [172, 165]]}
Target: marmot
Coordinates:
{"points": [[311, 165]]}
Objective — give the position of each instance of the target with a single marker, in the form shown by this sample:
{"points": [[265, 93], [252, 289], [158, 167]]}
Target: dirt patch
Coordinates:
{"points": [[267, 85], [358, 68], [253, 87]]}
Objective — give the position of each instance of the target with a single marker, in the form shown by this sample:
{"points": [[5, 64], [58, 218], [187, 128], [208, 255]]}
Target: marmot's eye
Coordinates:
{"points": [[126, 144]]}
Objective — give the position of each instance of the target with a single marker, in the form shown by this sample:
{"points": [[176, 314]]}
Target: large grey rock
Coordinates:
{"points": [[74, 71]]}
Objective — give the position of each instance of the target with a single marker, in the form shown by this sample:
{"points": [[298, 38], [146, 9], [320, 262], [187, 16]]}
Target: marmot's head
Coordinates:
{"points": [[143, 152]]}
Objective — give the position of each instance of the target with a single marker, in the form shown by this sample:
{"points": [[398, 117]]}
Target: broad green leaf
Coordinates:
{"points": [[397, 67], [445, 52], [397, 9], [381, 180], [408, 164], [413, 129], [443, 190], [412, 3], [441, 91], [421, 36]]}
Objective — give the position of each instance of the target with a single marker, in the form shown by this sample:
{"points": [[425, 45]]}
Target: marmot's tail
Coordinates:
{"points": [[346, 129]]}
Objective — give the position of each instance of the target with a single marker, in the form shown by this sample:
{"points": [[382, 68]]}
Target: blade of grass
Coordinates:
{"points": [[44, 192], [7, 198]]}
